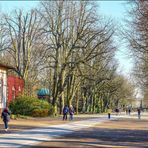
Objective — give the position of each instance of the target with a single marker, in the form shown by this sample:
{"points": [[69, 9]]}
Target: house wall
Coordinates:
{"points": [[3, 88], [15, 87], [10, 86]]}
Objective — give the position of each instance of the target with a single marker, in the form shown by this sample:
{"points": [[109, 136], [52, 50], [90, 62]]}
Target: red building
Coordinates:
{"points": [[15, 87], [10, 85]]}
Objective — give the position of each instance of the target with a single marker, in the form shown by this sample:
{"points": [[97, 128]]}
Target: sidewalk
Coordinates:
{"points": [[38, 135]]}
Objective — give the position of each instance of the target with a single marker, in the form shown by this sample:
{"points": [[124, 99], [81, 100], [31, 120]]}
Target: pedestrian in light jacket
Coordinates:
{"points": [[71, 112]]}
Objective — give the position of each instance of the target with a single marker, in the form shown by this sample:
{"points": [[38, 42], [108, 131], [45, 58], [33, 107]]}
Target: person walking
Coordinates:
{"points": [[109, 113], [6, 118], [117, 111], [129, 111], [71, 112], [139, 113], [65, 112]]}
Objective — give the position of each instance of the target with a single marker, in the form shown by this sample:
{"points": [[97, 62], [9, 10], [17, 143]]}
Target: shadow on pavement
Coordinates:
{"points": [[95, 137]]}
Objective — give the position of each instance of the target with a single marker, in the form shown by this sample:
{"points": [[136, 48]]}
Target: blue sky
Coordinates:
{"points": [[117, 11], [8, 6], [114, 9]]}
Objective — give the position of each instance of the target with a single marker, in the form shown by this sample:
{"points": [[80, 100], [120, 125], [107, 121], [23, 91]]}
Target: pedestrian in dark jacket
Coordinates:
{"points": [[65, 112], [6, 117], [139, 113]]}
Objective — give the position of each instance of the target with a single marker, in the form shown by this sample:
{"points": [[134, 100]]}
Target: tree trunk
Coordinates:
{"points": [[55, 109], [77, 105], [84, 104]]}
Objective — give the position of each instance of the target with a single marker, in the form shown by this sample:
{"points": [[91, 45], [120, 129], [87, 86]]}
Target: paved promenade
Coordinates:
{"points": [[43, 136], [124, 132], [37, 135]]}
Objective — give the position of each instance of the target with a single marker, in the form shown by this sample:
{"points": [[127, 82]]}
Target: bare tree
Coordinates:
{"points": [[75, 35], [21, 39], [137, 36]]}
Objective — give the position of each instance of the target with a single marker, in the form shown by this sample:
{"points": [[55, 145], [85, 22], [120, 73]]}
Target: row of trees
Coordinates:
{"points": [[137, 37], [67, 47]]}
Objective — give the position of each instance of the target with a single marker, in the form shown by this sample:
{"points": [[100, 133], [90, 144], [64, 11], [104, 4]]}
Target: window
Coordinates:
{"points": [[13, 92], [19, 89]]}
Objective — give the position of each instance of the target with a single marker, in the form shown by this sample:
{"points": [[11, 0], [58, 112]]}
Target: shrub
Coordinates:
{"points": [[12, 116], [25, 105], [40, 112]]}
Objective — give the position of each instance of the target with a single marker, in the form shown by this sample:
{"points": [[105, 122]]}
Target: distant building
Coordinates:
{"points": [[10, 86]]}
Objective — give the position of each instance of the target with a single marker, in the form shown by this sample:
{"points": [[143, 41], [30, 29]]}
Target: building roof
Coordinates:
{"points": [[6, 66], [44, 92]]}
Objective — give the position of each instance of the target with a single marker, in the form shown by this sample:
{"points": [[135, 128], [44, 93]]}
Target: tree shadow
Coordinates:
{"points": [[103, 137]]}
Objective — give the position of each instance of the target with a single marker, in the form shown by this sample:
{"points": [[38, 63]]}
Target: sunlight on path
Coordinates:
{"points": [[37, 135], [43, 134]]}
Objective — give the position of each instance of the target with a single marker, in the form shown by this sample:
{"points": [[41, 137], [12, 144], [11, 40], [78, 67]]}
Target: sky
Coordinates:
{"points": [[117, 11], [114, 9], [8, 6]]}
